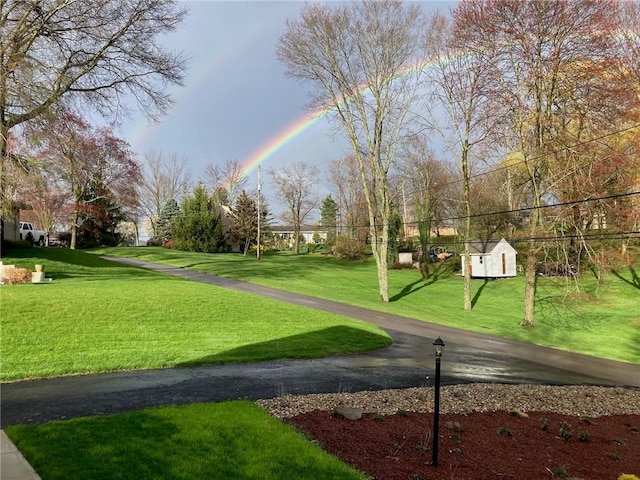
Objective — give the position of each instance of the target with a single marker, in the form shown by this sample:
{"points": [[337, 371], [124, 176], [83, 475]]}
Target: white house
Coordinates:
{"points": [[491, 259]]}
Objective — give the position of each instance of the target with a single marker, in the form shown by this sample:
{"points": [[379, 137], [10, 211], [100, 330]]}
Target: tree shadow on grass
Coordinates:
{"points": [[319, 343], [635, 278], [439, 271], [408, 290], [62, 263], [476, 297]]}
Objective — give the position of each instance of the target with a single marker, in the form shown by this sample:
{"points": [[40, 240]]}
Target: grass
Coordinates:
{"points": [[587, 321], [214, 441], [99, 316]]}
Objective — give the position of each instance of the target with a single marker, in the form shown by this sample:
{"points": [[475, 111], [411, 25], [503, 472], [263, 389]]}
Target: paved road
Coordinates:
{"points": [[469, 357]]}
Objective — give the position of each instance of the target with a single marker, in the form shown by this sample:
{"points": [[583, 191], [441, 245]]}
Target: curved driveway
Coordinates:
{"points": [[469, 357]]}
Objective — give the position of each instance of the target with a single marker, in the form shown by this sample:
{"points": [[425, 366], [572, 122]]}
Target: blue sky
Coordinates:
{"points": [[236, 97]]}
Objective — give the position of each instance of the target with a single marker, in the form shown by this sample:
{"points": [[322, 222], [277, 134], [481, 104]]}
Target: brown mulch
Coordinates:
{"points": [[487, 445]]}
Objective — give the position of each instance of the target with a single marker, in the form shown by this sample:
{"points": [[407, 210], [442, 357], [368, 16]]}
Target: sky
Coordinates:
{"points": [[237, 102]]}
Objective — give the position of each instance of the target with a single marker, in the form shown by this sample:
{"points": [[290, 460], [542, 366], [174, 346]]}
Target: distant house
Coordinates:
{"points": [[307, 232], [491, 259]]}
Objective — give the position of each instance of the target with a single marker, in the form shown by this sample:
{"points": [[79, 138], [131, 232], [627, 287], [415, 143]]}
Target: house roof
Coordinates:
{"points": [[477, 247]]}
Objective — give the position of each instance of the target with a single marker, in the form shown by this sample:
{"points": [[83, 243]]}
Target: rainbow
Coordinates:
{"points": [[304, 123], [288, 134]]}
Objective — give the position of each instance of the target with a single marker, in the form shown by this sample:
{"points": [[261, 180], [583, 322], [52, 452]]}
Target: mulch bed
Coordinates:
{"points": [[479, 446]]}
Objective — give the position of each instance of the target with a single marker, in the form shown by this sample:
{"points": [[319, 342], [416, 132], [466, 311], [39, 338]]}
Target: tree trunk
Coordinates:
{"points": [[3, 208], [379, 247], [532, 258], [467, 228], [74, 228], [530, 287]]}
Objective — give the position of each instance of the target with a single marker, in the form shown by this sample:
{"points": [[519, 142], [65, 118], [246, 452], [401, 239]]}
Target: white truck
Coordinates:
{"points": [[39, 236]]}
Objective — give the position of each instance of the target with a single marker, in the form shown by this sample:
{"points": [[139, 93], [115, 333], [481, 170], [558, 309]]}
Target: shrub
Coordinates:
{"points": [[544, 424], [16, 276], [505, 432], [627, 476], [170, 244], [348, 248], [565, 431], [400, 266], [583, 435], [560, 471]]}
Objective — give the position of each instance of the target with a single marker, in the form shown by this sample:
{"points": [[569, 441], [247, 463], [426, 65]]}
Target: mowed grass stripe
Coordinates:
{"points": [[140, 320]]}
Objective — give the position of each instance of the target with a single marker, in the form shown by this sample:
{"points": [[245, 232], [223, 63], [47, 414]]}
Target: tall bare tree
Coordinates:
{"points": [[99, 52], [164, 177], [226, 181], [459, 76], [356, 58], [528, 44], [296, 186]]}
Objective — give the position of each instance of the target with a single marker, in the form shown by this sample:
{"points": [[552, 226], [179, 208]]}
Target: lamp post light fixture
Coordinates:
{"points": [[438, 348]]}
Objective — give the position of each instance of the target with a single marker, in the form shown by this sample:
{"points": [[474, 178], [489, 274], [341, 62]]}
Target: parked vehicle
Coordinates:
{"points": [[39, 237]]}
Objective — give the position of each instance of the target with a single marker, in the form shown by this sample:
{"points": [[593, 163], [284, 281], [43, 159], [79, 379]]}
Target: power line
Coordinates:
{"points": [[553, 205], [604, 236], [520, 210]]}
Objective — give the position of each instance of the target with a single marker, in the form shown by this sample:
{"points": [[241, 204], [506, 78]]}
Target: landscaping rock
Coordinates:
{"points": [[349, 413]]}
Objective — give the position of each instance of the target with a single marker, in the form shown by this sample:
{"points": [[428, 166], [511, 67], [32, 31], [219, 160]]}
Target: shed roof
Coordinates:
{"points": [[484, 246]]}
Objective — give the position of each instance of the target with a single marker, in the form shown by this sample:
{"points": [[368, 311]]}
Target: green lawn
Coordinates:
{"points": [[589, 322], [100, 316], [233, 440]]}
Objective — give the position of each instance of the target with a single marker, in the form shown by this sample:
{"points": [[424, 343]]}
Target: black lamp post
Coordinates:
{"points": [[438, 347]]}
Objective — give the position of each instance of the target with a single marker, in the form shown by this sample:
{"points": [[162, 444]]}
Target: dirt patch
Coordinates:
{"points": [[479, 446]]}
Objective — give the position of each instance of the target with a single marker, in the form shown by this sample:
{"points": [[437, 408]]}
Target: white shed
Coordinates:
{"points": [[491, 259]]}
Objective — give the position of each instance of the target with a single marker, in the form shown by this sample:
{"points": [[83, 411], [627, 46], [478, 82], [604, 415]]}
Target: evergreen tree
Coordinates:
{"points": [[244, 226], [329, 217], [395, 224], [198, 228], [168, 212]]}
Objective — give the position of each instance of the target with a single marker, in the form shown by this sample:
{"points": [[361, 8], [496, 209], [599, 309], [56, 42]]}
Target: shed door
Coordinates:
{"points": [[504, 264]]}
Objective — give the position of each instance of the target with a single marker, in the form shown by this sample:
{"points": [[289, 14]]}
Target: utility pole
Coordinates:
{"points": [[259, 214]]}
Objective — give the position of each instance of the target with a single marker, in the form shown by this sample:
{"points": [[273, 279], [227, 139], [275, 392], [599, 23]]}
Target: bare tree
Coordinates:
{"points": [[164, 177], [344, 174], [425, 178], [296, 185], [357, 58], [460, 79], [226, 182], [528, 44], [98, 52]]}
